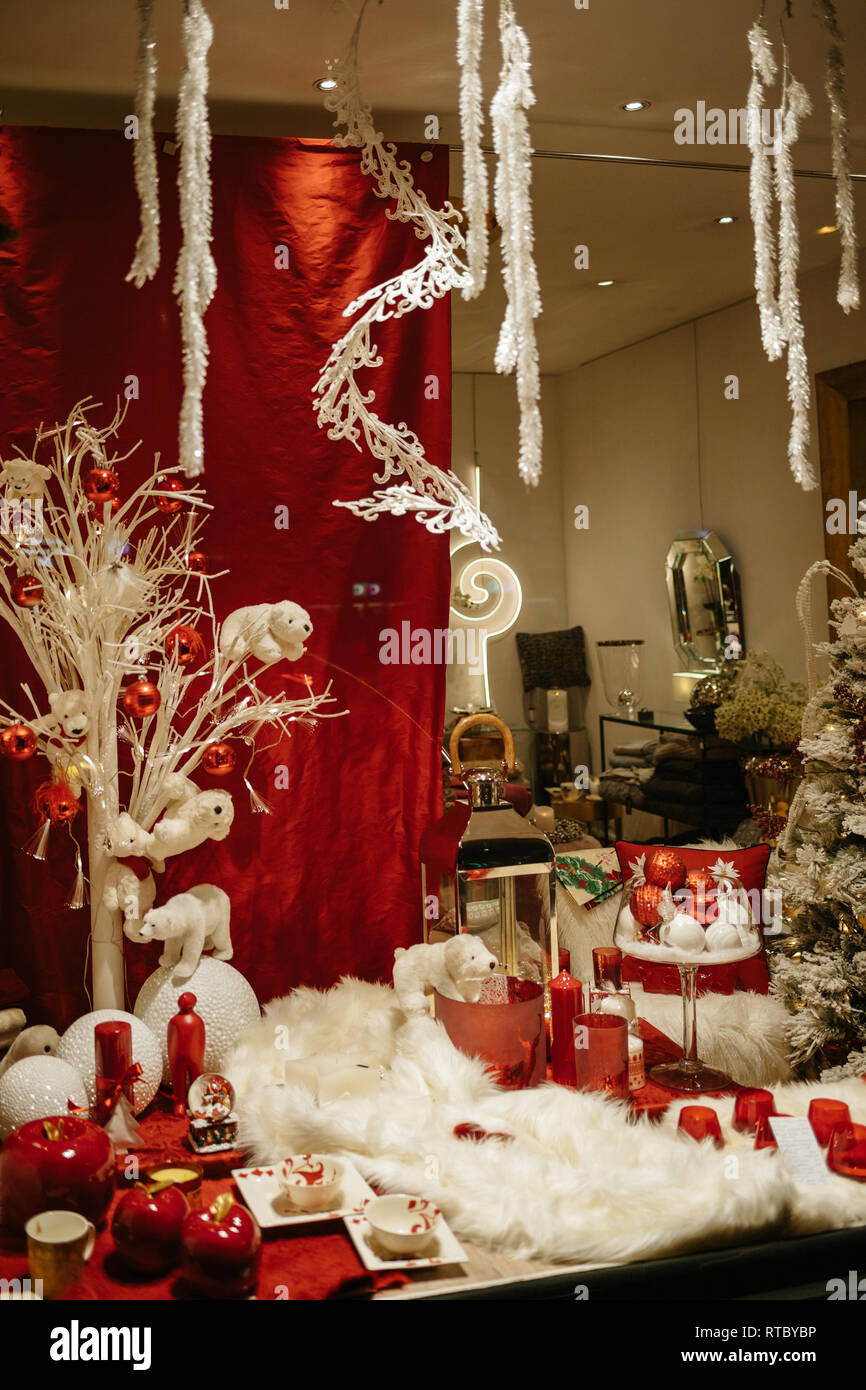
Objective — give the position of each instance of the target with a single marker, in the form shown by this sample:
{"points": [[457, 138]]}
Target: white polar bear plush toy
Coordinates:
{"points": [[129, 884], [69, 711], [455, 968], [268, 631], [190, 923], [22, 478], [205, 816]]}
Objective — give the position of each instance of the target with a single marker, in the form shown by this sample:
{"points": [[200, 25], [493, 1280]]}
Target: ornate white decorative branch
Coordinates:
{"points": [[146, 259]]}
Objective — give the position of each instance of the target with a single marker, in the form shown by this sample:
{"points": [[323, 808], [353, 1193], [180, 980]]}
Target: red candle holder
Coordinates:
{"points": [[506, 1031], [826, 1115], [607, 966], [847, 1152], [601, 1054], [701, 1122], [764, 1136], [750, 1107]]}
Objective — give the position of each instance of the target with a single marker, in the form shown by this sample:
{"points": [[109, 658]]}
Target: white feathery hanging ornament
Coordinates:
{"points": [[470, 31], [146, 259], [517, 350], [848, 291], [761, 191], [195, 277]]}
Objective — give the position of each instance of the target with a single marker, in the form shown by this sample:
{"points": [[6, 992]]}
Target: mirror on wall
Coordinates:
{"points": [[705, 603]]}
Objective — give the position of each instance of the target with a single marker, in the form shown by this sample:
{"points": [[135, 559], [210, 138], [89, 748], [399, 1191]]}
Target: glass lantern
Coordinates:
{"points": [[620, 675], [487, 871]]}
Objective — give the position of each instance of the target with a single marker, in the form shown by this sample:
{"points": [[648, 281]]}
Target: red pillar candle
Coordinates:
{"points": [[566, 1002], [113, 1044]]}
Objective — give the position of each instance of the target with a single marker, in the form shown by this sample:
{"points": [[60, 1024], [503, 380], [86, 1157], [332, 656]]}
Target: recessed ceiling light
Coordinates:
{"points": [[602, 283], [825, 231], [326, 84], [635, 106], [724, 220]]}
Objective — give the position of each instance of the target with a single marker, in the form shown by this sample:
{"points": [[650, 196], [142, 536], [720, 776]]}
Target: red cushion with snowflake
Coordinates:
{"points": [[695, 877]]}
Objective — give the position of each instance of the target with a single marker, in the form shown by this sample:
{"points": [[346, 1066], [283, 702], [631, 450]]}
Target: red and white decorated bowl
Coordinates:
{"points": [[403, 1225], [310, 1181]]}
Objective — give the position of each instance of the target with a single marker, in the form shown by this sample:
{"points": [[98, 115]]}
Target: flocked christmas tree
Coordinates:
{"points": [[110, 598], [821, 972]]}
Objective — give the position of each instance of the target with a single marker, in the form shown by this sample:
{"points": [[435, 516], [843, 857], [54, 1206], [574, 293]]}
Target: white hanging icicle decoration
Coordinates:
{"points": [[848, 292], [146, 259], [470, 30], [439, 500], [761, 191], [195, 277]]}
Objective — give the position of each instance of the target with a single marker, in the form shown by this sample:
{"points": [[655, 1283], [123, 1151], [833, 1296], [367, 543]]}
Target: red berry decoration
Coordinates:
{"points": [[17, 742], [196, 562], [666, 869], [164, 499], [185, 644], [218, 759], [644, 903], [101, 484], [26, 591], [56, 802], [141, 699]]}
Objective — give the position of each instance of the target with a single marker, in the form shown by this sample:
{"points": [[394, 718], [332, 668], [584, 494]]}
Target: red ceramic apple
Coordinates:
{"points": [[222, 1249], [146, 1226], [59, 1163]]}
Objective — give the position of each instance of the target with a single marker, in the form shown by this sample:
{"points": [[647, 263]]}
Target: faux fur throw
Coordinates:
{"points": [[577, 1182]]}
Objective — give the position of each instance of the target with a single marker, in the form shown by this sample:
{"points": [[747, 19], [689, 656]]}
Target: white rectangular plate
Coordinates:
{"points": [[260, 1189], [444, 1249]]}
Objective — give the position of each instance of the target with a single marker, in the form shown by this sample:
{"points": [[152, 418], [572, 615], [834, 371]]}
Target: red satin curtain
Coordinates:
{"points": [[329, 884]]}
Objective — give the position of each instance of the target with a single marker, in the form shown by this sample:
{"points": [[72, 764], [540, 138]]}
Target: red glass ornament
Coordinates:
{"points": [[185, 644], [185, 1038], [666, 868], [218, 759], [698, 896], [141, 699], [196, 562], [101, 484], [644, 903], [26, 591], [164, 500], [18, 742], [56, 802]]}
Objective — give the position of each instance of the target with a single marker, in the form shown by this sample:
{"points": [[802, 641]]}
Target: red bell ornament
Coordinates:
{"points": [[185, 644], [17, 742], [55, 802], [26, 591], [196, 562], [644, 903], [165, 488], [218, 759], [101, 485], [141, 699], [666, 869]]}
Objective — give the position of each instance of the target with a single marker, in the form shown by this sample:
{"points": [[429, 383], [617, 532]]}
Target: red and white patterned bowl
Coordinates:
{"points": [[403, 1225], [310, 1181]]}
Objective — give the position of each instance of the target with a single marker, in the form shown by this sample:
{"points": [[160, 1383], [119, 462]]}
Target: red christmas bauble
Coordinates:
{"points": [[196, 562], [164, 500], [18, 742], [698, 895], [218, 759], [666, 868], [101, 484], [56, 801], [26, 591], [644, 903], [185, 644], [141, 699]]}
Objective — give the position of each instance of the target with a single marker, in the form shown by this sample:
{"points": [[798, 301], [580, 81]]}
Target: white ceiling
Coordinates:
{"points": [[649, 229]]}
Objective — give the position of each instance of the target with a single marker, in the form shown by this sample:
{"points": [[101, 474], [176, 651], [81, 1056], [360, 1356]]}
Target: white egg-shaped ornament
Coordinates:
{"points": [[733, 911], [78, 1046], [224, 1000], [36, 1087], [683, 933], [721, 936]]}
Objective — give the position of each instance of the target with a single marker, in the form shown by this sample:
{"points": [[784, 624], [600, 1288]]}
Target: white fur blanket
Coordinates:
{"points": [[578, 1182]]}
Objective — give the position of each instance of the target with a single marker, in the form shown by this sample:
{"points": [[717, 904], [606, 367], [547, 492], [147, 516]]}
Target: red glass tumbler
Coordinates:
{"points": [[601, 1054], [750, 1107], [826, 1115]]}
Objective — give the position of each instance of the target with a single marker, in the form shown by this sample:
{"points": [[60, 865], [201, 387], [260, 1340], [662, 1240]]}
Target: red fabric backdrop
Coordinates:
{"points": [[328, 884]]}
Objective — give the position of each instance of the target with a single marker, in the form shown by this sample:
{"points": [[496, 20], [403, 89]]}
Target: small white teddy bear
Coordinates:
{"points": [[190, 923], [455, 968], [69, 711], [268, 631], [205, 816], [129, 883], [22, 478]]}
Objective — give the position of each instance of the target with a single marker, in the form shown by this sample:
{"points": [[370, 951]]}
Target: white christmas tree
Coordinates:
{"points": [[110, 599]]}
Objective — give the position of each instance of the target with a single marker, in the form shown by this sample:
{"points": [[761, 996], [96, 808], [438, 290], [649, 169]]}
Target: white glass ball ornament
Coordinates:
{"points": [[684, 933], [78, 1046], [224, 1000], [36, 1087], [721, 936]]}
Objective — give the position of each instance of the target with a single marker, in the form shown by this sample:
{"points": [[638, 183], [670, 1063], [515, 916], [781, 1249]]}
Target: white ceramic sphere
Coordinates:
{"points": [[683, 933], [224, 1000], [36, 1087], [721, 936], [78, 1047]]}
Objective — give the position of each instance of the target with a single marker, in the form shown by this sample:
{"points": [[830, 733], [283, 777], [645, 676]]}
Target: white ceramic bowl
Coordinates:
{"points": [[310, 1181], [403, 1225]]}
